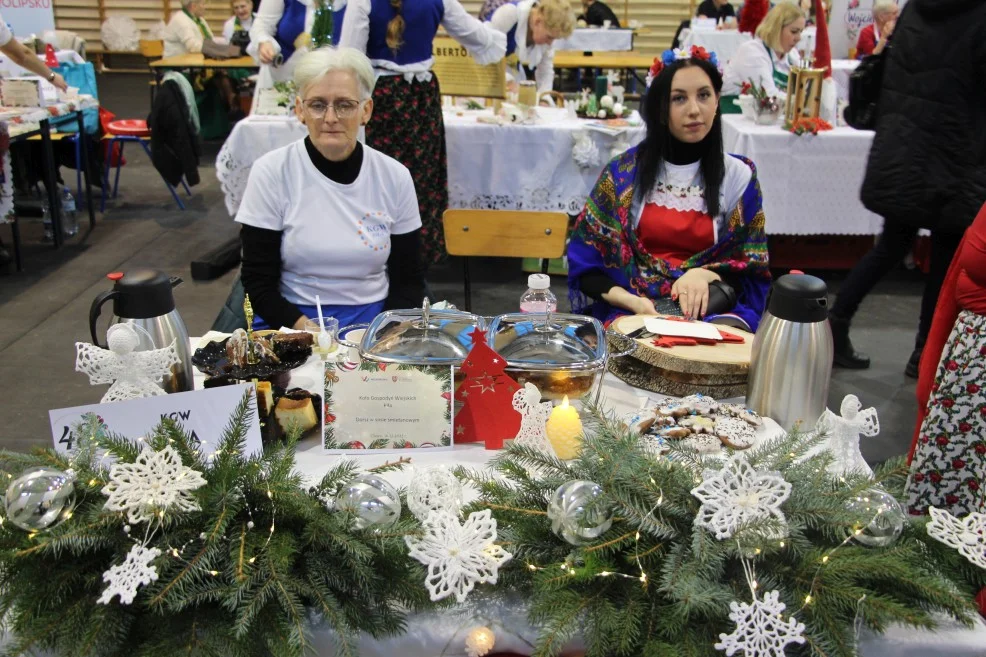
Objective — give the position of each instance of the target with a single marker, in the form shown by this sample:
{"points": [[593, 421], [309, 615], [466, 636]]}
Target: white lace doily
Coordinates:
{"points": [[135, 571], [737, 495], [458, 556], [967, 535], [155, 482]]}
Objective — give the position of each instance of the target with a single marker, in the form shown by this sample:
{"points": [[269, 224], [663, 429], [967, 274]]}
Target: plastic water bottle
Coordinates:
{"points": [[70, 220], [46, 221], [538, 298]]}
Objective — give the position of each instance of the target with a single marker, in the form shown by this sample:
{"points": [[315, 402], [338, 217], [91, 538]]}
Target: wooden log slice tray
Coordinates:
{"points": [[718, 371]]}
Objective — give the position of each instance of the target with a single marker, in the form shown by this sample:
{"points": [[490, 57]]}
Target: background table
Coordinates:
{"points": [[723, 43], [810, 183], [841, 70], [597, 40], [198, 60], [504, 167]]}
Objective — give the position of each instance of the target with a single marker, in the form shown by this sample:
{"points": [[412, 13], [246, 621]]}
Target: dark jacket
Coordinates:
{"points": [[927, 167], [175, 148], [599, 12]]}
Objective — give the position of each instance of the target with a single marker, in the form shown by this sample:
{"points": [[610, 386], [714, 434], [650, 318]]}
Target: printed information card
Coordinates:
{"points": [[386, 407]]}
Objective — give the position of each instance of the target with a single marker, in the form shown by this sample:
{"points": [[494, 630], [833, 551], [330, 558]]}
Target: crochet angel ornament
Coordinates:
{"points": [[134, 374], [844, 431]]}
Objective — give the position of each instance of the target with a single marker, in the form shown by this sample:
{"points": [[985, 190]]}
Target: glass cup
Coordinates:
{"points": [[325, 343]]}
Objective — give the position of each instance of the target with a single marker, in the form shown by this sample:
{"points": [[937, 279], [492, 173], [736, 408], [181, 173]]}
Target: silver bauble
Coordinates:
{"points": [[577, 514], [40, 498], [372, 500], [879, 518]]}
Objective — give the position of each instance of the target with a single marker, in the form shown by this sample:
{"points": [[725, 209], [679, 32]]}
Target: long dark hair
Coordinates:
{"points": [[657, 145]]}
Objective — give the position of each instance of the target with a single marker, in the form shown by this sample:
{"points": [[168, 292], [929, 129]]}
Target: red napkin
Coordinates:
{"points": [[668, 341]]}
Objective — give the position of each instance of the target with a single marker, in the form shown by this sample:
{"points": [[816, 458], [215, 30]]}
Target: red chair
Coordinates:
{"points": [[123, 131]]}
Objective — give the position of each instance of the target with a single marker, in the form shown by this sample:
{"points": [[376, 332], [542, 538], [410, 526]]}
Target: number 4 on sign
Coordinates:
{"points": [[67, 439]]}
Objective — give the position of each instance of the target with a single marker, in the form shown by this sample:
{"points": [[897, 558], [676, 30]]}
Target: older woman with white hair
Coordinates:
{"points": [[327, 217], [873, 38]]}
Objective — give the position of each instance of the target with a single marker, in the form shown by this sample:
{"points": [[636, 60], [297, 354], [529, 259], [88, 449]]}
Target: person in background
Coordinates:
{"points": [[398, 38], [948, 453], [25, 58], [674, 217], [766, 60], [219, 104], [327, 216], [927, 165], [283, 27], [597, 13], [873, 38], [531, 27], [720, 10], [240, 21]]}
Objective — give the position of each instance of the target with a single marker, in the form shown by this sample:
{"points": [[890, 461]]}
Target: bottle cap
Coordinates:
{"points": [[539, 281]]}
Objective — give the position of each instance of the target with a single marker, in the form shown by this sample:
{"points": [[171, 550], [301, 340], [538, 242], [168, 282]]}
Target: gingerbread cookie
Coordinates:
{"points": [[703, 443], [703, 404], [640, 422], [741, 412], [675, 433], [735, 433], [698, 423], [675, 410]]}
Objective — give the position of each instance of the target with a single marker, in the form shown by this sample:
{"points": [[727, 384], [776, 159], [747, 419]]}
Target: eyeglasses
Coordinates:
{"points": [[344, 109]]}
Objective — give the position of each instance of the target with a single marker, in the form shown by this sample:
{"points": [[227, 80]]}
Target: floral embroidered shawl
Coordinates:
{"points": [[604, 240]]}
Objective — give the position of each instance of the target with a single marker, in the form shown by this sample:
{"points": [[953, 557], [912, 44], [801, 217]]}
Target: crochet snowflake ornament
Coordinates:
{"points": [[533, 418], [967, 535], [458, 556], [760, 631], [135, 571], [738, 495], [154, 483], [434, 490], [134, 374]]}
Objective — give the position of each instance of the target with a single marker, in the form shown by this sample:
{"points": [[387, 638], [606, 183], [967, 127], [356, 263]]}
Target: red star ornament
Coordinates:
{"points": [[486, 393]]}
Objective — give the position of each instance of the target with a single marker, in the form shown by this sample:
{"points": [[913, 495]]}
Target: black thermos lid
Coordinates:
{"points": [[798, 297], [143, 293]]}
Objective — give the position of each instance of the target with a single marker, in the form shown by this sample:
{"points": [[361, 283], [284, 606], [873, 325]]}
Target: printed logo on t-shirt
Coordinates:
{"points": [[373, 230]]}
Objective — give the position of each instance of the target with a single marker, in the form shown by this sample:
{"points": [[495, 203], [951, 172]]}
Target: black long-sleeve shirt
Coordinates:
{"points": [[261, 270], [599, 12]]}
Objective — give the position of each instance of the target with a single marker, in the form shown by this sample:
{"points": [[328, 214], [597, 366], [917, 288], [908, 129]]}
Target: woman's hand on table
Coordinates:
{"points": [[266, 52], [691, 291]]}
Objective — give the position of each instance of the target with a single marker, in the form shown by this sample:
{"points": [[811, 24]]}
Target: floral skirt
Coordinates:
{"points": [[949, 466], [407, 125]]}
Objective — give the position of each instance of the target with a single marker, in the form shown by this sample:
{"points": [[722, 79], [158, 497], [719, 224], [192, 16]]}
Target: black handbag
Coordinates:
{"points": [[865, 84]]}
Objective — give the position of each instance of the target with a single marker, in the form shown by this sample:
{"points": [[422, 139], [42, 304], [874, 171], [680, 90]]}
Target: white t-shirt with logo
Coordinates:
{"points": [[336, 238], [5, 34]]}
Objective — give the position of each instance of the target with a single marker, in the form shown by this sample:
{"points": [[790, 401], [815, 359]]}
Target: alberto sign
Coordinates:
{"points": [[460, 75]]}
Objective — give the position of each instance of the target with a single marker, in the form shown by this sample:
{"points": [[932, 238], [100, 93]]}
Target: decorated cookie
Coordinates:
{"points": [[675, 410], [640, 421], [675, 433], [703, 443], [698, 423], [655, 445], [741, 412], [735, 433], [703, 404]]}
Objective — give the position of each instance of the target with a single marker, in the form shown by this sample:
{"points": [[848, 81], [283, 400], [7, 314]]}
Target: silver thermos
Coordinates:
{"points": [[792, 353], [144, 298]]}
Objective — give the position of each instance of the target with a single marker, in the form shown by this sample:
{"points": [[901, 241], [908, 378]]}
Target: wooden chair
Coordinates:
{"points": [[504, 234], [152, 50]]}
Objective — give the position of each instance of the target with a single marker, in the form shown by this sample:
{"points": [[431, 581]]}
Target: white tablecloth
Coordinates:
{"points": [[810, 183], [587, 39], [722, 42], [512, 167]]}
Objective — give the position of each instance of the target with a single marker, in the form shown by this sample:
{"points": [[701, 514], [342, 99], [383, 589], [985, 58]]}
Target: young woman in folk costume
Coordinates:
{"points": [[675, 216], [408, 124]]}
